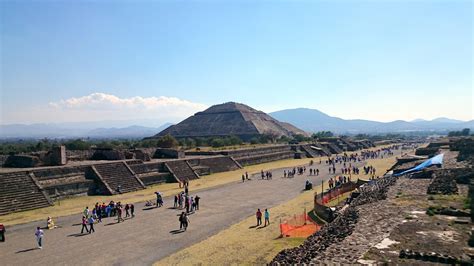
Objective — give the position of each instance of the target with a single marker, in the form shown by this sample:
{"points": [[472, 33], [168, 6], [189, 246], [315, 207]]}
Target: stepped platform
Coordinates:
{"points": [[20, 192], [264, 158], [113, 175], [350, 146], [219, 164], [181, 170], [64, 181], [334, 149], [310, 153], [151, 173]]}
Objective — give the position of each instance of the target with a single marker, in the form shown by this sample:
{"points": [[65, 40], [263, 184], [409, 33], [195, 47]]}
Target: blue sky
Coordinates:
{"points": [[107, 60]]}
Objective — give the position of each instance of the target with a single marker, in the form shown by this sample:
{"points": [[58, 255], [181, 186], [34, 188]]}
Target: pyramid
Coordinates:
{"points": [[229, 119]]}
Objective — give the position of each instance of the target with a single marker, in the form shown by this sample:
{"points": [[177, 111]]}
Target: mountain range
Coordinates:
{"points": [[313, 120], [77, 130], [310, 120]]}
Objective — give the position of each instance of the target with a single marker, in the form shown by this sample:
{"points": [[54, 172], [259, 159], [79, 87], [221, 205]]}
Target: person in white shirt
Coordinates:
{"points": [[39, 237]]}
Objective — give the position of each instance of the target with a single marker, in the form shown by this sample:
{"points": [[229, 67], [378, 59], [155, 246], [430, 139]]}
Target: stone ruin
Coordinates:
{"points": [[337, 230], [57, 156], [230, 119]]}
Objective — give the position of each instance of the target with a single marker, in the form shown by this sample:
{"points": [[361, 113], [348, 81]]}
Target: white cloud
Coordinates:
{"points": [[101, 106], [105, 101]]}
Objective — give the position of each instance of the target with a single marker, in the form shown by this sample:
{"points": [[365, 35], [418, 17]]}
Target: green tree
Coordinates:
{"points": [[77, 144], [322, 134], [167, 141]]}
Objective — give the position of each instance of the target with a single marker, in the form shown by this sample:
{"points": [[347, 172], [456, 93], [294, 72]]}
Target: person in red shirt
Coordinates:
{"points": [[2, 233], [259, 217]]}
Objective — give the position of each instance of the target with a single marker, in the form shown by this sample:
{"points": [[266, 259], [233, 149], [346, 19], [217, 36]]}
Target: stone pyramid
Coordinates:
{"points": [[230, 119]]}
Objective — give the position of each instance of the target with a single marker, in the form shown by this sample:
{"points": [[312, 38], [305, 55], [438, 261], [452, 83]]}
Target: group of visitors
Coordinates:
{"points": [[259, 214], [268, 175], [183, 200], [334, 182], [313, 171], [296, 170], [370, 170], [189, 203]]}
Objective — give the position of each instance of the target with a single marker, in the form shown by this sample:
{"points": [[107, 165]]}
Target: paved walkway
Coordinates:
{"points": [[151, 235]]}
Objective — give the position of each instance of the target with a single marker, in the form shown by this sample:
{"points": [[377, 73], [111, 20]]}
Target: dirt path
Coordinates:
{"points": [[150, 235]]}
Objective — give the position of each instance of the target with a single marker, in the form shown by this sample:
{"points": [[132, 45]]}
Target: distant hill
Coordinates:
{"points": [[313, 120], [75, 130]]}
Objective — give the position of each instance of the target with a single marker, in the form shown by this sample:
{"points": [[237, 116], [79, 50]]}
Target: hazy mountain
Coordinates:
{"points": [[76, 130], [127, 132], [314, 120]]}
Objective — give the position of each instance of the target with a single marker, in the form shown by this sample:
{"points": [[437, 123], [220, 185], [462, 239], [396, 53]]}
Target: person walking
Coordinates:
{"points": [[84, 225], [127, 208], [91, 225], [185, 221], [132, 210], [267, 217], [2, 233], [175, 201], [119, 213], [243, 178], [196, 200], [39, 237], [259, 217]]}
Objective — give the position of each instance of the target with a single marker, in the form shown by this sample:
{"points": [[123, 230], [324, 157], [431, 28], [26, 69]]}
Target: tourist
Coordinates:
{"points": [[132, 210], [157, 199], [259, 217], [84, 225], [184, 221], [50, 223], [39, 237], [2, 233], [196, 200], [91, 225], [127, 208], [186, 188], [99, 213], [267, 217], [186, 204], [317, 171], [175, 201], [193, 204], [246, 175], [243, 178], [118, 209], [86, 212]]}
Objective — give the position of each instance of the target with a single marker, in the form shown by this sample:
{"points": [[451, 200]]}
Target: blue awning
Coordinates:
{"points": [[436, 160]]}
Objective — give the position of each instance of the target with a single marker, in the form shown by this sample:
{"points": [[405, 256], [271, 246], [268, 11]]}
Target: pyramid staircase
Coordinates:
{"points": [[113, 175], [181, 170], [20, 192]]}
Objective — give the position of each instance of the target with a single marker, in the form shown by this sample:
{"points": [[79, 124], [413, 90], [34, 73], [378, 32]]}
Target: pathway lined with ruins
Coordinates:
{"points": [[150, 236]]}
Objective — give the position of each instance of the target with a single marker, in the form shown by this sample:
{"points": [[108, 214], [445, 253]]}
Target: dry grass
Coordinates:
{"points": [[77, 204], [244, 246]]}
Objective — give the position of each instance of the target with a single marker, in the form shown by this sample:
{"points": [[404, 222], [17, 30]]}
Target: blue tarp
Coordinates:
{"points": [[436, 160]]}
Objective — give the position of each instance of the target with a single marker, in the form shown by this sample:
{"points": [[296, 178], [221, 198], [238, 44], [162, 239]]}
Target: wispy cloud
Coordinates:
{"points": [[105, 101], [100, 106]]}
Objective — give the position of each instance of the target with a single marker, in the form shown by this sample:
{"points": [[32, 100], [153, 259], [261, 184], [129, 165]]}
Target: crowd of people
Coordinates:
{"points": [[189, 204]]}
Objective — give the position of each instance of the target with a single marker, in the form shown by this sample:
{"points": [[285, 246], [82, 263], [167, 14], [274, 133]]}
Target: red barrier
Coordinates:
{"points": [[300, 225]]}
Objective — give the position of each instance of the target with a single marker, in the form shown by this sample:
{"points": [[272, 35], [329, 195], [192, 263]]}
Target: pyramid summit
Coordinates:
{"points": [[230, 119]]}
